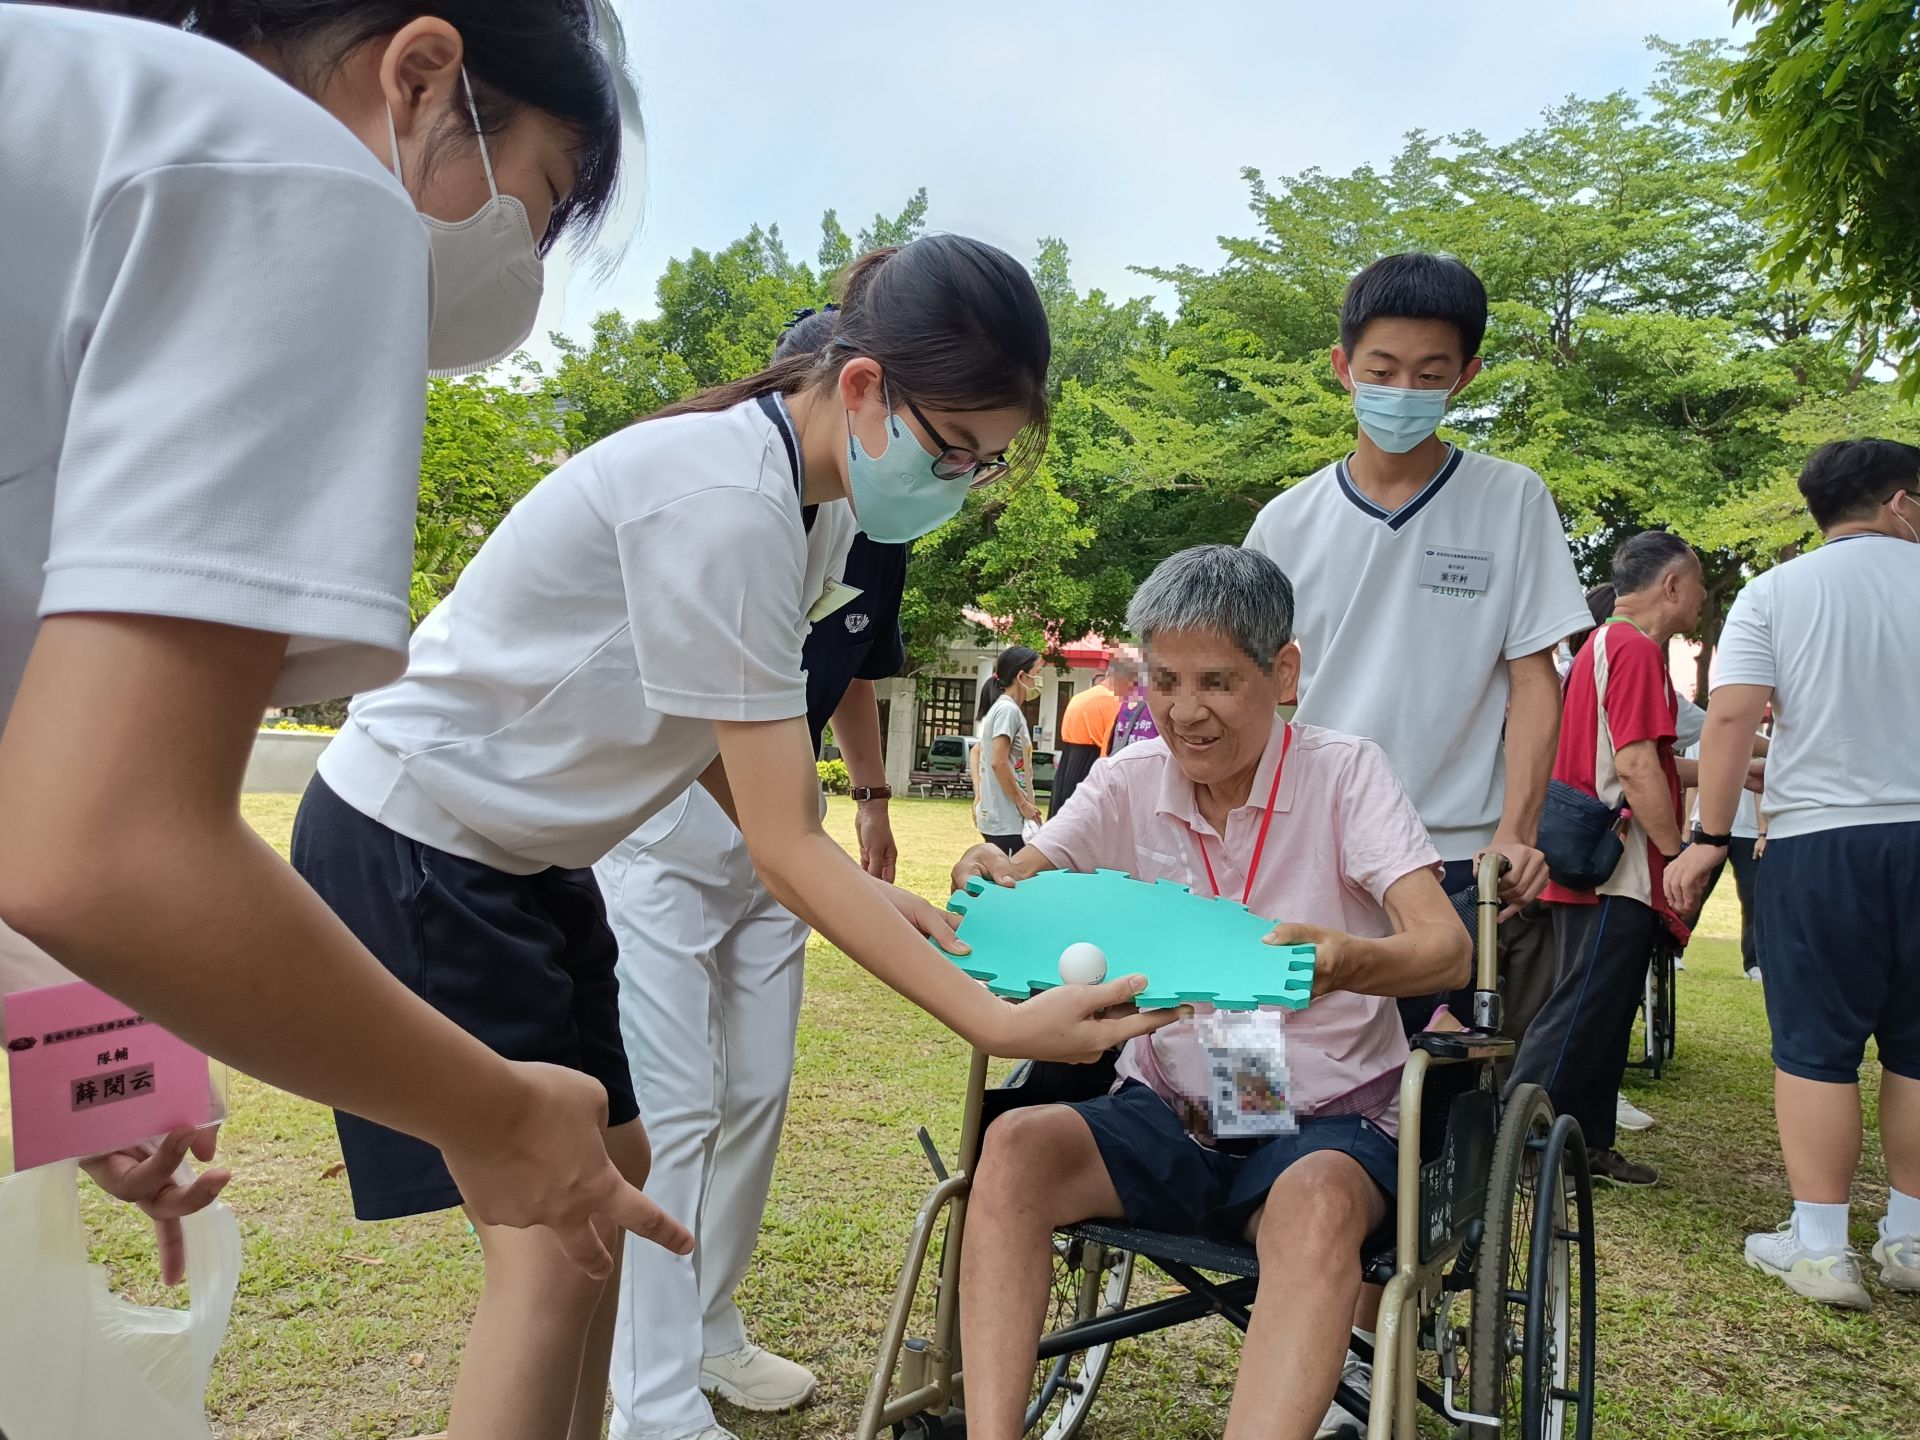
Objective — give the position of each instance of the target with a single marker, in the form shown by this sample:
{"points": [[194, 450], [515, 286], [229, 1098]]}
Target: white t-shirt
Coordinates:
{"points": [[1832, 633], [1407, 621], [655, 583], [994, 810], [213, 350]]}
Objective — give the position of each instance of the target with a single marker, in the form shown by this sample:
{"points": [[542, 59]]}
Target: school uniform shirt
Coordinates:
{"points": [[994, 810], [566, 689], [1406, 621], [861, 640], [1343, 831], [1640, 704], [1835, 634], [213, 351]]}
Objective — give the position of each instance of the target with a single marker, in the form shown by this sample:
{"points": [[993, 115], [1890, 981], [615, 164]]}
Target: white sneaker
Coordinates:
{"points": [[1899, 1257], [1753, 972], [1629, 1116], [1357, 1374], [1830, 1276], [756, 1379]]}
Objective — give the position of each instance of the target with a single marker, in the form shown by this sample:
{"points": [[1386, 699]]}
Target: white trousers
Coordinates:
{"points": [[710, 981]]}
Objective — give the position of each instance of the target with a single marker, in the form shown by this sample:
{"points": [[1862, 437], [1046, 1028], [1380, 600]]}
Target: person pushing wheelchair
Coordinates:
{"points": [[1293, 821]]}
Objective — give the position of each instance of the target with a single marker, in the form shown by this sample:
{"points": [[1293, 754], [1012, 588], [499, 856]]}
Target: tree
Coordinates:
{"points": [[620, 374], [1831, 93]]}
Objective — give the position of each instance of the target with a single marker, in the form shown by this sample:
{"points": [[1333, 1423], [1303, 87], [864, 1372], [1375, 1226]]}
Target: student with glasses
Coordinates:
{"points": [[635, 626]]}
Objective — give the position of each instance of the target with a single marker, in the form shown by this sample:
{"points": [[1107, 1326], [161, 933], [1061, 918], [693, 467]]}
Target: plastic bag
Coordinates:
{"points": [[77, 1361]]}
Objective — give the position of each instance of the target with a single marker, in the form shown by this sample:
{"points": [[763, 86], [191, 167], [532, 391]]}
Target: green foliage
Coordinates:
{"points": [[486, 445], [286, 723], [1831, 93], [834, 778]]}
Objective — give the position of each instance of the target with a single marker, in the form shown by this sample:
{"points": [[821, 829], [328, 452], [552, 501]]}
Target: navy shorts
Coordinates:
{"points": [[524, 963], [1838, 944], [1170, 1182]]}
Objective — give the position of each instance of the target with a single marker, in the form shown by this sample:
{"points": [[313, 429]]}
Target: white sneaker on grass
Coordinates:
{"points": [[1753, 972], [1629, 1116], [1899, 1257], [756, 1379], [1356, 1374], [1829, 1276]]}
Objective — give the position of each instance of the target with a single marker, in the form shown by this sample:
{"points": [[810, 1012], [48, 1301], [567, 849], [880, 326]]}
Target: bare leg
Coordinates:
{"points": [[1309, 1235], [1900, 1130], [628, 1147], [523, 1373], [1038, 1169], [1819, 1136]]}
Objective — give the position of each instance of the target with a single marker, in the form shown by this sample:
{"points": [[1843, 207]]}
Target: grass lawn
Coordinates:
{"points": [[350, 1330]]}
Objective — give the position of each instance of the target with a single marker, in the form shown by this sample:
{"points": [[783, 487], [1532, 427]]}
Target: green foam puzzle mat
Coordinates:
{"points": [[1189, 947]]}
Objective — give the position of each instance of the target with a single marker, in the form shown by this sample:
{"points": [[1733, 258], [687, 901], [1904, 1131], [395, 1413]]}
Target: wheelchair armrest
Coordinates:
{"points": [[1462, 1044]]}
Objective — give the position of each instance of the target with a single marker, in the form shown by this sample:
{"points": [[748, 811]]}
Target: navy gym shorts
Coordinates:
{"points": [[524, 963], [1840, 949], [1170, 1182]]}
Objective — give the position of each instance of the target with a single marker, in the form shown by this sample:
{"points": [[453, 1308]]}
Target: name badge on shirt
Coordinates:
{"points": [[1456, 572], [831, 599]]}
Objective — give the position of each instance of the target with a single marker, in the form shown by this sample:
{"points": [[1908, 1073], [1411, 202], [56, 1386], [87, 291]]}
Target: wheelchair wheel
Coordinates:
{"points": [[1088, 1280], [1532, 1337]]}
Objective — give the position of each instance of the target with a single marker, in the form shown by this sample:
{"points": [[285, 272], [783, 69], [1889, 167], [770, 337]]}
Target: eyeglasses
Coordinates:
{"points": [[956, 463]]}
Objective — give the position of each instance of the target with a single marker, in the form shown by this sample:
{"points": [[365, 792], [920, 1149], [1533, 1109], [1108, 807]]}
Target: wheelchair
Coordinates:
{"points": [[1488, 1314], [1659, 1019]]}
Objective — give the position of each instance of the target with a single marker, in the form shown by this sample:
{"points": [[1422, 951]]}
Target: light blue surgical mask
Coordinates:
{"points": [[1395, 418], [896, 496]]}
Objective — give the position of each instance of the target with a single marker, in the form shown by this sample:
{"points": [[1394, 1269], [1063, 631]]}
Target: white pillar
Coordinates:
{"points": [[903, 731]]}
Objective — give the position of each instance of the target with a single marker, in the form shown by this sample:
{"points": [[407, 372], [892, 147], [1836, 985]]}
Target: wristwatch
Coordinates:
{"points": [[864, 793], [1700, 837]]}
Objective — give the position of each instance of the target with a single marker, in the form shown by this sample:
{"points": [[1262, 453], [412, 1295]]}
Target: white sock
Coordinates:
{"points": [[1903, 1213], [1820, 1227]]}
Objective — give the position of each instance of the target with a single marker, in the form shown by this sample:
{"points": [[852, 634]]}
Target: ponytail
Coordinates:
{"points": [[1012, 660], [955, 323]]}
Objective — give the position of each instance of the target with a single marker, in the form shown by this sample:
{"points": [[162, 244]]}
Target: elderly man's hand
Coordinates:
{"points": [[1331, 952], [989, 862]]}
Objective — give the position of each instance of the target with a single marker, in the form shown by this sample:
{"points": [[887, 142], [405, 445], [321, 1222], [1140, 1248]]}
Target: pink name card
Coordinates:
{"points": [[90, 1075]]}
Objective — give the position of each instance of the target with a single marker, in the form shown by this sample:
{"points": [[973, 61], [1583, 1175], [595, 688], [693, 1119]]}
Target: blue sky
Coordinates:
{"points": [[1121, 126]]}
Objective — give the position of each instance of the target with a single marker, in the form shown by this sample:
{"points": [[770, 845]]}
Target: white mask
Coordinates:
{"points": [[486, 273]]}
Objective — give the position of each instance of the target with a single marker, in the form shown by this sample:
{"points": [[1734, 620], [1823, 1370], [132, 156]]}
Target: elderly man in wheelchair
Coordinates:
{"points": [[1293, 821]]}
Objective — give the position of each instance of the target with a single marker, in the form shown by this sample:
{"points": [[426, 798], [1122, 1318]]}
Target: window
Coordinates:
{"points": [[947, 710]]}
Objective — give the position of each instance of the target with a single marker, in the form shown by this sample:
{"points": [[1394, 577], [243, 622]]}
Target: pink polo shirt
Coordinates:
{"points": [[1343, 831]]}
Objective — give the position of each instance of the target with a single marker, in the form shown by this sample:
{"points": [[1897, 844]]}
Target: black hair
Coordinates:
{"points": [[554, 56], [1850, 479], [1416, 286], [1600, 600], [807, 333], [1010, 663], [1642, 559], [956, 324]]}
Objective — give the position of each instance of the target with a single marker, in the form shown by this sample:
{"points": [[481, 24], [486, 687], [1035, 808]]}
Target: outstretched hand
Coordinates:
{"points": [[547, 1164], [149, 1176]]}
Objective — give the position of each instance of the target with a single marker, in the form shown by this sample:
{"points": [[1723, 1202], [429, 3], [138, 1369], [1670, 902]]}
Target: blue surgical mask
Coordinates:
{"points": [[896, 496], [1397, 419]]}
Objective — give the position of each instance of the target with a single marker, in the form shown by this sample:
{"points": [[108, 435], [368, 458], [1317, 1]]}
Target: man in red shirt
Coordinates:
{"points": [[1616, 742]]}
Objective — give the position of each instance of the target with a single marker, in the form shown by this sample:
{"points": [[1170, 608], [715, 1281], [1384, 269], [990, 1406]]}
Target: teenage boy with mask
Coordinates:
{"points": [[1434, 583]]}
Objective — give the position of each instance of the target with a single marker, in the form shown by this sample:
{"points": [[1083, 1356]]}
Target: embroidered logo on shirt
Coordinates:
{"points": [[856, 623]]}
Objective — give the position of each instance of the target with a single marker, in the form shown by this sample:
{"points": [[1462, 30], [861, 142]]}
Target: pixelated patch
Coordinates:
{"points": [[1190, 948]]}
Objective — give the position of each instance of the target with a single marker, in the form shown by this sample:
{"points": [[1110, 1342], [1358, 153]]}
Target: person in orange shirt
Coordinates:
{"points": [[1084, 732]]}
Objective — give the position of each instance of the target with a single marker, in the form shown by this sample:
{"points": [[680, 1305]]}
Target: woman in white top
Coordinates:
{"points": [[217, 316], [1003, 787], [632, 627]]}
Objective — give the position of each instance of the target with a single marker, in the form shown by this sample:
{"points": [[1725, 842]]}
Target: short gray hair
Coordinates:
{"points": [[1218, 587]]}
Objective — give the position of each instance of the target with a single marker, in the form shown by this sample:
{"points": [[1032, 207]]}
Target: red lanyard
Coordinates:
{"points": [[1260, 841]]}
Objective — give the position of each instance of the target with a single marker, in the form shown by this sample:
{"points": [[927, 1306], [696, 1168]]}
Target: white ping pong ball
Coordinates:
{"points": [[1083, 963]]}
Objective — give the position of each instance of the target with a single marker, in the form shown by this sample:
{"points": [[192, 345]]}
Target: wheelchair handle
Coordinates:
{"points": [[1487, 1010]]}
